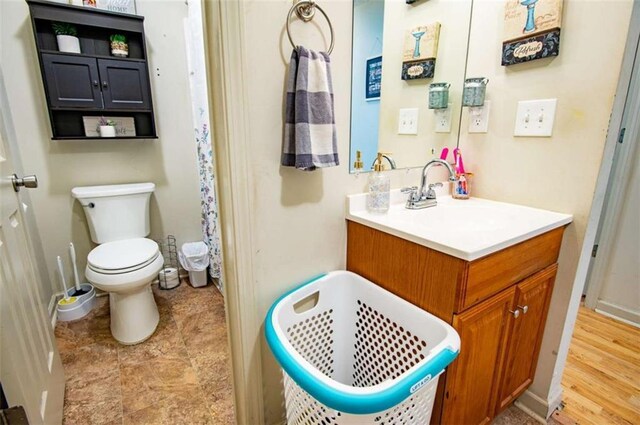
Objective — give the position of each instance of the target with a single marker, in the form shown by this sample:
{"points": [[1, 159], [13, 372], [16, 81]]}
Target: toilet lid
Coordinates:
{"points": [[124, 254]]}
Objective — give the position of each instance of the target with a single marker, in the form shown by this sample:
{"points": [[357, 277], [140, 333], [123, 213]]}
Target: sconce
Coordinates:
{"points": [[439, 95]]}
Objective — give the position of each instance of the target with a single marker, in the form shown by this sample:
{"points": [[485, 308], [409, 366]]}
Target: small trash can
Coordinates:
{"points": [[194, 258], [354, 353]]}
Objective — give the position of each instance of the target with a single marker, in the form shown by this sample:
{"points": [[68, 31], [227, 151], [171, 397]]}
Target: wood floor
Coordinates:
{"points": [[601, 381]]}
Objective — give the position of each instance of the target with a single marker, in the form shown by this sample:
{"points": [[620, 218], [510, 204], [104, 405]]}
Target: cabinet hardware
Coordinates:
{"points": [[105, 85], [515, 313], [524, 308], [96, 83]]}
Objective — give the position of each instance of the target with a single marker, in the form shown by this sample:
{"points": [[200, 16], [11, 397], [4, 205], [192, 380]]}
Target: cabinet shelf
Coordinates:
{"points": [[85, 55], [102, 138]]}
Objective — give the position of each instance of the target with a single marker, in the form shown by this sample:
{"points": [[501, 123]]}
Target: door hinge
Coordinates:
{"points": [[621, 135], [594, 251]]}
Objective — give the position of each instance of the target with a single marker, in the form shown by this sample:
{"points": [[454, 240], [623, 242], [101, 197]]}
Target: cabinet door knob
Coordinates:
{"points": [[96, 83], [515, 313], [105, 84], [524, 308]]}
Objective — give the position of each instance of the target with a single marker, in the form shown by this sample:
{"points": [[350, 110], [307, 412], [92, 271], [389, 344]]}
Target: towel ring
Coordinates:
{"points": [[305, 10]]}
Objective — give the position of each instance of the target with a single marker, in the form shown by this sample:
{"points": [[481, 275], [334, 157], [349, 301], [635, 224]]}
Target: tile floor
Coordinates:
{"points": [[181, 375]]}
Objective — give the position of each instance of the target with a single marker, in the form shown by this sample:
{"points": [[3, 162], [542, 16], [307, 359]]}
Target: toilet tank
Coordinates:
{"points": [[116, 212]]}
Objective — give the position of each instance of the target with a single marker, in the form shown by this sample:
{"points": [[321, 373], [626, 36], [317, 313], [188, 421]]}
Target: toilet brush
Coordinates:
{"points": [[66, 300], [72, 253]]}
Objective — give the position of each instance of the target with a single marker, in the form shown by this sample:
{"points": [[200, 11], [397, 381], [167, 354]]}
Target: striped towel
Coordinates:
{"points": [[310, 131]]}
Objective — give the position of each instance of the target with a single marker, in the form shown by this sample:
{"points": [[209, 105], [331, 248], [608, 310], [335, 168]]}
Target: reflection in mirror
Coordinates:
{"points": [[400, 49]]}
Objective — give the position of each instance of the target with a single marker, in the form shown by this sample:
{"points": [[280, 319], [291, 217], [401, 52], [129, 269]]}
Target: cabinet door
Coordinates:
{"points": [[72, 81], [532, 300], [470, 393], [125, 84]]}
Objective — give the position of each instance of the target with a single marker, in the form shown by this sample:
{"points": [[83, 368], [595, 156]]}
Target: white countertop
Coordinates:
{"points": [[467, 229]]}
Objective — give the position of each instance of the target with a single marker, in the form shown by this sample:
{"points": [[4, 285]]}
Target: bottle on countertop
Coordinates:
{"points": [[379, 188]]}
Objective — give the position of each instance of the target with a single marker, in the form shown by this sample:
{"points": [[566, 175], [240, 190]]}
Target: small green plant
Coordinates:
{"points": [[63, 28], [103, 121], [118, 38]]}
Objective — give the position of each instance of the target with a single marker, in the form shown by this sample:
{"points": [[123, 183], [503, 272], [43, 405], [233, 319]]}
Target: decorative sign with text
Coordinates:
{"points": [[373, 78], [420, 51], [531, 30], [120, 6]]}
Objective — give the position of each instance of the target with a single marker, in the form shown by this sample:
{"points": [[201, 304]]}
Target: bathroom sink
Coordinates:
{"points": [[467, 229]]}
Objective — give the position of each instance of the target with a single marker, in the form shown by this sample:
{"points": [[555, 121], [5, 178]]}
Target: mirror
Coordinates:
{"points": [[398, 50]]}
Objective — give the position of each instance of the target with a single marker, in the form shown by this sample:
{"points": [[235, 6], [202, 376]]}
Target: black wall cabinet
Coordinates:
{"points": [[92, 83]]}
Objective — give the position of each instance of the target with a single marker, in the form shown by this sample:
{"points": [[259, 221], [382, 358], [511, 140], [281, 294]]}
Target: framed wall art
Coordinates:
{"points": [[531, 30], [420, 51], [373, 79]]}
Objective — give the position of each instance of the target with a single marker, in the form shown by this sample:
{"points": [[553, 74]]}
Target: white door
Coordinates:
{"points": [[30, 368]]}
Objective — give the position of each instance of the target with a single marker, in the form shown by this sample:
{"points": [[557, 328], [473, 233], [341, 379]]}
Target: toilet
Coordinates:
{"points": [[125, 262]]}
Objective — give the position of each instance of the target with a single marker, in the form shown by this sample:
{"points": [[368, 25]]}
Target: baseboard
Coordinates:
{"points": [[538, 408], [617, 312], [52, 310]]}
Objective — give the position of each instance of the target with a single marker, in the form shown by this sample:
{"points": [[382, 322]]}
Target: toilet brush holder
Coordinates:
{"points": [[80, 308]]}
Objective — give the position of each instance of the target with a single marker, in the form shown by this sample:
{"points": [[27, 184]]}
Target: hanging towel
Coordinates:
{"points": [[310, 130]]}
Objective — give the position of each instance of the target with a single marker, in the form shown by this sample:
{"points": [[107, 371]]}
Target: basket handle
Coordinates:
{"points": [[306, 303]]}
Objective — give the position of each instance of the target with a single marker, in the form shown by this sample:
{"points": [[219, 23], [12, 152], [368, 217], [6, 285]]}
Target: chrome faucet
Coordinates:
{"points": [[390, 160], [425, 196]]}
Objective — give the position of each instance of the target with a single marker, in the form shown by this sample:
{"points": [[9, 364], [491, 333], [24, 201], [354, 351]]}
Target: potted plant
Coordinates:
{"points": [[107, 128], [119, 46], [67, 37]]}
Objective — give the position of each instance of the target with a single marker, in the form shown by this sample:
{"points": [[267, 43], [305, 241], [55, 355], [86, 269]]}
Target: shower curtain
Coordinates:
{"points": [[206, 162]]}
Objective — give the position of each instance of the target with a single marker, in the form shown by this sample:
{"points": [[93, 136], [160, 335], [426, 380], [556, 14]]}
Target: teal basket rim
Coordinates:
{"points": [[356, 404]]}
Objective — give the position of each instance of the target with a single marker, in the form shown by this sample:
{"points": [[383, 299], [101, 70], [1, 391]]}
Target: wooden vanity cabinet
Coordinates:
{"points": [[498, 304]]}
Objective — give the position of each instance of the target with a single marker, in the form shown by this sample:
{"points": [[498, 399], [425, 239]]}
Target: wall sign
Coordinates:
{"points": [[420, 51], [373, 80], [120, 6], [531, 30]]}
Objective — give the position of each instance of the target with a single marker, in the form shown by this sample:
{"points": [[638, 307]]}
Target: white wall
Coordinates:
{"points": [[169, 162], [557, 173], [621, 283]]}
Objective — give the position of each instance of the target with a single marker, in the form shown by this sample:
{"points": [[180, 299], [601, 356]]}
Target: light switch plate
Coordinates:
{"points": [[534, 118], [479, 118], [443, 119], [408, 121]]}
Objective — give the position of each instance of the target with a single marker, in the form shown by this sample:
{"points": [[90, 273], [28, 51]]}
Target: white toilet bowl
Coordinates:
{"points": [[125, 269]]}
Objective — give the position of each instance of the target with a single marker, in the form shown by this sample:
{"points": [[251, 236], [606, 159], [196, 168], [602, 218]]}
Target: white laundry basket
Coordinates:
{"points": [[354, 353]]}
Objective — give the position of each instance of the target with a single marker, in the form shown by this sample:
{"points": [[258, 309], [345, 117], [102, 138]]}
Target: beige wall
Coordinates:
{"points": [[557, 173], [621, 287], [454, 16], [299, 217], [169, 162]]}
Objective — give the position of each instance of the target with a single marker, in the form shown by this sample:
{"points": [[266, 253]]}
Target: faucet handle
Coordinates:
{"points": [[431, 194], [432, 185], [412, 191]]}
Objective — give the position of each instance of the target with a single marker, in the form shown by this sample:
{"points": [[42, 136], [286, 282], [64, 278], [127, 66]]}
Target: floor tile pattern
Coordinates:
{"points": [[181, 375]]}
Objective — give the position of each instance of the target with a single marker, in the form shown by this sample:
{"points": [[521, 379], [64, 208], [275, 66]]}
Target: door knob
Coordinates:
{"points": [[524, 308], [30, 182], [105, 84], [515, 313]]}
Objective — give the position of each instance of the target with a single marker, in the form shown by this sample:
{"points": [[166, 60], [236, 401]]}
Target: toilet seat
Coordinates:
{"points": [[123, 256]]}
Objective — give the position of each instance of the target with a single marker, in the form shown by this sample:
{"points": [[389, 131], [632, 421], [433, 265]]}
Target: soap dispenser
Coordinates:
{"points": [[379, 188]]}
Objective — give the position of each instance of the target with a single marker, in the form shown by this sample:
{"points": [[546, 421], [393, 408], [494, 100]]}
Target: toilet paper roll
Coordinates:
{"points": [[168, 278]]}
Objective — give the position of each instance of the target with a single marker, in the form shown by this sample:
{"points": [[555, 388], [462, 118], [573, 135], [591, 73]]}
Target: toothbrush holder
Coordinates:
{"points": [[461, 188]]}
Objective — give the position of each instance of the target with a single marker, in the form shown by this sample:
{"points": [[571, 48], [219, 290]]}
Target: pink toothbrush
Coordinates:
{"points": [[459, 164], [444, 154]]}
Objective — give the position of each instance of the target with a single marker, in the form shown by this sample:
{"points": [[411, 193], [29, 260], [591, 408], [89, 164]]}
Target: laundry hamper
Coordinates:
{"points": [[354, 353]]}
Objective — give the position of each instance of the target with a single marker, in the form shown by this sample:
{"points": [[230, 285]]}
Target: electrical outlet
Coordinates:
{"points": [[534, 118], [443, 119], [479, 118], [408, 121]]}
